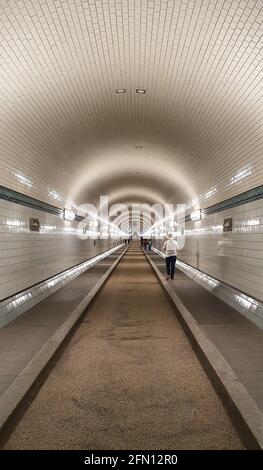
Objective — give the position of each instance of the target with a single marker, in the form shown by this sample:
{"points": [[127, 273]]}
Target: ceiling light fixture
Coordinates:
{"points": [[68, 215], [121, 90], [196, 215], [140, 91]]}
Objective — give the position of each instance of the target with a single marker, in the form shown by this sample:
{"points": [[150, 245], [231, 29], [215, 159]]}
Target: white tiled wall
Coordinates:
{"points": [[29, 257], [236, 257]]}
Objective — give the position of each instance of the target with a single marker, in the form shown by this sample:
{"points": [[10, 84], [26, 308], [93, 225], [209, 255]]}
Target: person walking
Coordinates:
{"points": [[170, 248]]}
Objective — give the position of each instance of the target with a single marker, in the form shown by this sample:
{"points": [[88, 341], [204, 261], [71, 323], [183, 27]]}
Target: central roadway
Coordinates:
{"points": [[128, 379]]}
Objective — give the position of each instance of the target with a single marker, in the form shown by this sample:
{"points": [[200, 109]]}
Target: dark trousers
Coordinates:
{"points": [[170, 265]]}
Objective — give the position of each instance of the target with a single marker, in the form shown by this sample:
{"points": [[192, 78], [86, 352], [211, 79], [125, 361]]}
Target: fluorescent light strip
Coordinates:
{"points": [[54, 195], [23, 179], [241, 174]]}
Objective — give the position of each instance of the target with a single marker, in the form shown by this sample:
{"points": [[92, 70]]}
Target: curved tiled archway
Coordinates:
{"points": [[64, 129]]}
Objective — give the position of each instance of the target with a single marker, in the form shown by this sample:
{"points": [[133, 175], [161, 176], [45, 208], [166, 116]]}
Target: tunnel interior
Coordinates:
{"points": [[130, 119]]}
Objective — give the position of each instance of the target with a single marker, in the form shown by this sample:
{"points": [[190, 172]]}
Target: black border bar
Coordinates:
{"points": [[121, 458]]}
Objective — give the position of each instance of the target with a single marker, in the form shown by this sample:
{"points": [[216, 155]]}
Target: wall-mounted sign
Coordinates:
{"points": [[227, 225], [34, 224]]}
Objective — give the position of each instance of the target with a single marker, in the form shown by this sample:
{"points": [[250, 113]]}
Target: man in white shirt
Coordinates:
{"points": [[170, 248]]}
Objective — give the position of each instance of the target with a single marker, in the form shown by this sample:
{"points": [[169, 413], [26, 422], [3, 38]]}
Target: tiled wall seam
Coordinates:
{"points": [[199, 61]]}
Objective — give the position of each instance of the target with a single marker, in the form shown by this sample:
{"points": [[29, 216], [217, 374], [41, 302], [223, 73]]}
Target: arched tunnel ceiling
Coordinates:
{"points": [[197, 131]]}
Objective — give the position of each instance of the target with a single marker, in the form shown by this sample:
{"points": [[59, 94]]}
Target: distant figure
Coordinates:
{"points": [[142, 241], [145, 242], [170, 250], [150, 245], [125, 241]]}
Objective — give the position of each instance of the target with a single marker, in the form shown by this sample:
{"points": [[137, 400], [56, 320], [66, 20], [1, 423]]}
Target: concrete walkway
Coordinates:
{"points": [[129, 378]]}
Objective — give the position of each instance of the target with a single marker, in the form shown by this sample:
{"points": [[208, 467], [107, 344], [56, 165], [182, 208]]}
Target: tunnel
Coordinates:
{"points": [[131, 226]]}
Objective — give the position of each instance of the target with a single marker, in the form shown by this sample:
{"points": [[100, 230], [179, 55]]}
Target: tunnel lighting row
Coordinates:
{"points": [[70, 216], [159, 228], [140, 91]]}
